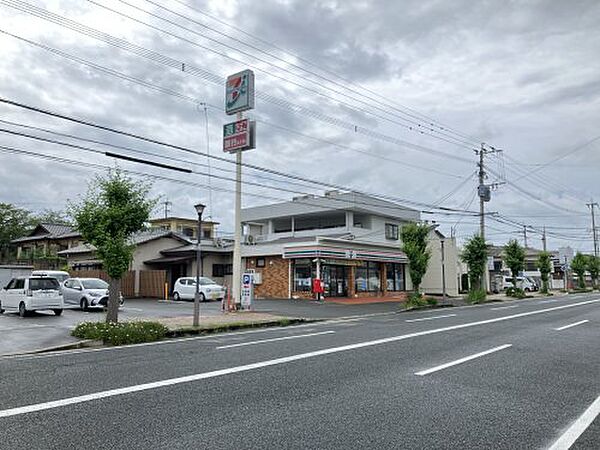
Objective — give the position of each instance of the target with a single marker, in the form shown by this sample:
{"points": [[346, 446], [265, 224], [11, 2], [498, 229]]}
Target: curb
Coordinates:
{"points": [[73, 346]]}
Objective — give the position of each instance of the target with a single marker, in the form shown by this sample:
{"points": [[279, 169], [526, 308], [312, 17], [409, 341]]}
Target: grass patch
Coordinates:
{"points": [[476, 296], [123, 333], [515, 292], [416, 301]]}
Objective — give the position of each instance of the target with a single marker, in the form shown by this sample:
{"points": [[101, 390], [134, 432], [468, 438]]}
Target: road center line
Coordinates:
{"points": [[462, 360], [572, 325], [285, 338], [504, 307], [578, 427], [273, 362], [430, 318]]}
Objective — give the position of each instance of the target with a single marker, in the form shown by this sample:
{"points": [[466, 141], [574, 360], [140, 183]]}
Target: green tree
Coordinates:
{"points": [[544, 264], [414, 244], [114, 208], [15, 222], [514, 258], [474, 255], [593, 267], [579, 264]]}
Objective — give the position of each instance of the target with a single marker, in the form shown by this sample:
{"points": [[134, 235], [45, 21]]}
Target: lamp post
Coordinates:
{"points": [[199, 209]]}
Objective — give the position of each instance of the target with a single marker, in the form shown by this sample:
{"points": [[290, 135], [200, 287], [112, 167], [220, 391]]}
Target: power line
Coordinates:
{"points": [[198, 103], [412, 113], [187, 150], [190, 69]]}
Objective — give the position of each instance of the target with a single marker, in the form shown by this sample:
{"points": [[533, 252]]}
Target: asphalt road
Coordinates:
{"points": [[518, 376], [44, 330]]}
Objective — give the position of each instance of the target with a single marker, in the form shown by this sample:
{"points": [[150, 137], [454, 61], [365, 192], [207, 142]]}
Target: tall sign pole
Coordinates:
{"points": [[237, 137], [591, 205]]}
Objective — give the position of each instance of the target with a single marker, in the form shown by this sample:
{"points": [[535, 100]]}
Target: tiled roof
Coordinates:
{"points": [[48, 231]]}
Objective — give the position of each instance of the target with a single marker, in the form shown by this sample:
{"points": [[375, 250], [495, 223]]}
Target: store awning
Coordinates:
{"points": [[343, 253]]}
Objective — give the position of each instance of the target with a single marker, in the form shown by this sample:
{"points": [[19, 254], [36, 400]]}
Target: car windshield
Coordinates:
{"points": [[61, 277], [38, 284], [94, 284], [206, 281]]}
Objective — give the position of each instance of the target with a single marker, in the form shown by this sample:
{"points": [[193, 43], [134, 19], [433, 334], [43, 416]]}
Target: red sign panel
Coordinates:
{"points": [[236, 135]]}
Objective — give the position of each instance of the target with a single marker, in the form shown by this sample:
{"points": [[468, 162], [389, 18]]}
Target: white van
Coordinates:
{"points": [[522, 283], [26, 294], [60, 275]]}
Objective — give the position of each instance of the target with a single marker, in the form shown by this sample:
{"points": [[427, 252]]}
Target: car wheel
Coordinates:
{"points": [[57, 312], [527, 290], [84, 304], [176, 296], [22, 310], [202, 297], [1, 310]]}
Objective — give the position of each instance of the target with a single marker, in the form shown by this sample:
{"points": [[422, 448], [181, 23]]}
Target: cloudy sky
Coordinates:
{"points": [[385, 97]]}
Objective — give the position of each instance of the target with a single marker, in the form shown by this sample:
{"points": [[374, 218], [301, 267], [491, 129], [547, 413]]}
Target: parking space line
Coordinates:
{"points": [[284, 338], [578, 427], [572, 325], [462, 360], [504, 307], [430, 318]]}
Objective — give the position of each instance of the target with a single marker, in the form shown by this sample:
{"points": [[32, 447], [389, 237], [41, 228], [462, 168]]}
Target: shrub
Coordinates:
{"points": [[431, 301], [121, 333], [476, 295], [515, 292], [414, 300]]}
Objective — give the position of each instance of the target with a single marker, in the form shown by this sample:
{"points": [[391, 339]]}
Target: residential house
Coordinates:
{"points": [[45, 242], [349, 240]]}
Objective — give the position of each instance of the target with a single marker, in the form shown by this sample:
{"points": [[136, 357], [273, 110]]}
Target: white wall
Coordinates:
{"points": [[432, 281]]}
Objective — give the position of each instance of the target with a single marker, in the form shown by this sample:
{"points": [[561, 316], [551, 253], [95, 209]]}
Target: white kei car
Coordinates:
{"points": [[87, 293], [26, 294], [185, 289]]}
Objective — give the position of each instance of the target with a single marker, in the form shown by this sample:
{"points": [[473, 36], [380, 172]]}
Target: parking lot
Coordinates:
{"points": [[43, 329]]}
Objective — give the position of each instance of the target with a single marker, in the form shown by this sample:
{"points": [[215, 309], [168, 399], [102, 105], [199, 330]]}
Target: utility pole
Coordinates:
{"points": [[443, 272], [592, 205], [167, 204], [544, 239], [525, 235]]}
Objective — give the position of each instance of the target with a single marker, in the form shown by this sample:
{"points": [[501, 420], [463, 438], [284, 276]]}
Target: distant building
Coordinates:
{"points": [[185, 227], [45, 242]]}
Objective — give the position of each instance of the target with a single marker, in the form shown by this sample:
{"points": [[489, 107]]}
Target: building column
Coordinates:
{"points": [[349, 220], [383, 272], [351, 281]]}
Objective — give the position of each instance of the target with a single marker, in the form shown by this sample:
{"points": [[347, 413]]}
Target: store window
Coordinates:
{"points": [[220, 270], [395, 277], [391, 231], [302, 276], [367, 277]]}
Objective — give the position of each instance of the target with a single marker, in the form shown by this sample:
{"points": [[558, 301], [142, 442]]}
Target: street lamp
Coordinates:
{"points": [[199, 209]]}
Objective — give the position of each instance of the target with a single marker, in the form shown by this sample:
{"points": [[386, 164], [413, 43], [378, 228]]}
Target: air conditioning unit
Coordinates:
{"points": [[257, 277]]}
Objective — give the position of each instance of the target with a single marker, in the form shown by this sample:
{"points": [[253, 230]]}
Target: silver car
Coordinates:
{"points": [[87, 293]]}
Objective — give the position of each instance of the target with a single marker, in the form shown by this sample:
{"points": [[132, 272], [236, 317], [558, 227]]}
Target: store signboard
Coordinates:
{"points": [[247, 293], [239, 92], [239, 135]]}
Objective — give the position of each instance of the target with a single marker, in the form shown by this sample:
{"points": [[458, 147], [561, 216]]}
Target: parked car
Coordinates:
{"points": [[26, 294], [60, 275], [522, 283], [185, 289], [535, 284], [87, 293]]}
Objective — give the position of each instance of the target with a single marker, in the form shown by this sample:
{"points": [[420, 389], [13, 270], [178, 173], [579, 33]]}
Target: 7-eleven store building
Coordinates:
{"points": [[347, 268]]}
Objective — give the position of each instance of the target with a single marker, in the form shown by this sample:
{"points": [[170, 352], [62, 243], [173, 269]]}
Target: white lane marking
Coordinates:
{"points": [[578, 427], [27, 327], [504, 307], [462, 360], [263, 341], [186, 379], [288, 329], [572, 325], [127, 308], [548, 301], [430, 318]]}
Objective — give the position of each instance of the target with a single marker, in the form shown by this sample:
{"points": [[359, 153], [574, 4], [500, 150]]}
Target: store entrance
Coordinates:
{"points": [[335, 281]]}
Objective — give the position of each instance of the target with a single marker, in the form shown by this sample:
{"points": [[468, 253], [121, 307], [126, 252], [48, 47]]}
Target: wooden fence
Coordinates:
{"points": [[151, 282]]}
